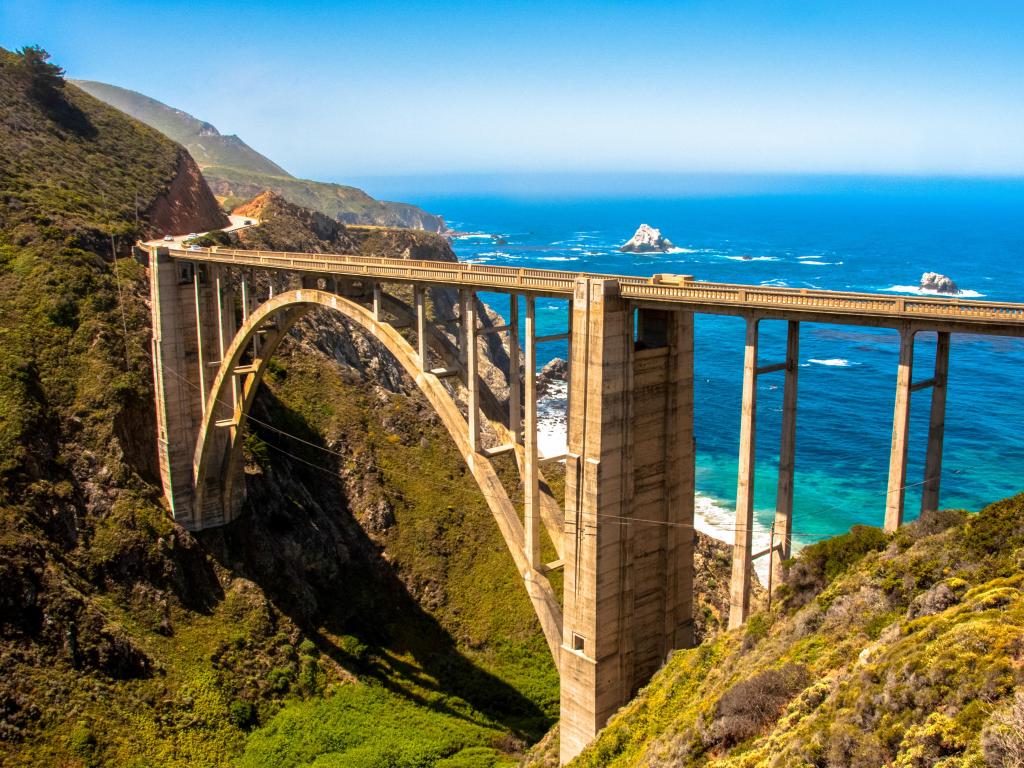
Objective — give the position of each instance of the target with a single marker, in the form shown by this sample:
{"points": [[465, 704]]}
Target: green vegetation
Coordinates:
{"points": [[126, 641], [906, 651], [368, 727]]}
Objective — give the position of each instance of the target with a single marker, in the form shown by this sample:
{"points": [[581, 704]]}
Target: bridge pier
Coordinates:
{"points": [[629, 505], [780, 547], [783, 530], [905, 387], [936, 426], [531, 484]]}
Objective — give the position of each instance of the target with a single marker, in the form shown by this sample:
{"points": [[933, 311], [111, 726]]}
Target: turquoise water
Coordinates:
{"points": [[863, 235]]}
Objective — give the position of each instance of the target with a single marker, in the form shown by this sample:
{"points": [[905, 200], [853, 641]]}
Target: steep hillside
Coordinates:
{"points": [[236, 172], [204, 142], [899, 650], [124, 640]]}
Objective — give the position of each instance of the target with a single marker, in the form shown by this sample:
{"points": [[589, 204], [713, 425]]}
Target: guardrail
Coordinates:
{"points": [[562, 284]]}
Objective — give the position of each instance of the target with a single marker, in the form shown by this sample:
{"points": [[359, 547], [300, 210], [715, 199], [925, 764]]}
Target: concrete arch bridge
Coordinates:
{"points": [[624, 537]]}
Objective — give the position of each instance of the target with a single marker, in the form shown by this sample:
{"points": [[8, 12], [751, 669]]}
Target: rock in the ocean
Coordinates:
{"points": [[647, 240], [554, 372], [933, 281]]}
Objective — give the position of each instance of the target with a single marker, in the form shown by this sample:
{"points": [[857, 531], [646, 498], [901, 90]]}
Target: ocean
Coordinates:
{"points": [[857, 234]]}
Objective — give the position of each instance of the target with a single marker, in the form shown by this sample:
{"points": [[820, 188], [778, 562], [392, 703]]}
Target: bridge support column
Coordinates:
{"points": [[419, 296], [468, 301], [531, 486], [515, 394], [936, 426], [377, 301], [742, 563], [782, 546], [900, 428], [629, 505]]}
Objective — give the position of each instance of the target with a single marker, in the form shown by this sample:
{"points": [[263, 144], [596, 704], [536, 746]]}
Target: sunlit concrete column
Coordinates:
{"points": [[377, 300], [472, 375], [592, 683], [420, 300], [201, 361], [900, 429], [515, 394], [742, 565], [936, 426], [531, 487], [462, 328], [783, 532]]}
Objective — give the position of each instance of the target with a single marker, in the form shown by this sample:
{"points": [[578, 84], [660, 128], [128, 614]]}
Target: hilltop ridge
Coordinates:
{"points": [[236, 172], [203, 141]]}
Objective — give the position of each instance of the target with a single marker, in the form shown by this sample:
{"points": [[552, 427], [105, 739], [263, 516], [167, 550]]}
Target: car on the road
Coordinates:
{"points": [[194, 248], [169, 238], [247, 222]]}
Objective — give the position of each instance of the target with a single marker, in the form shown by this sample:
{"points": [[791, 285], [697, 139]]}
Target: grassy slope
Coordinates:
{"points": [[123, 640], [201, 139], [901, 650]]}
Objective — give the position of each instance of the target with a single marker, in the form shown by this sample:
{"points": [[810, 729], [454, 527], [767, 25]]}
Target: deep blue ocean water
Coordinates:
{"points": [[842, 234]]}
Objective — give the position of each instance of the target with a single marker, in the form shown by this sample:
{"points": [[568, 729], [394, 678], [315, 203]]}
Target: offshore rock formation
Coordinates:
{"points": [[647, 239], [933, 281]]}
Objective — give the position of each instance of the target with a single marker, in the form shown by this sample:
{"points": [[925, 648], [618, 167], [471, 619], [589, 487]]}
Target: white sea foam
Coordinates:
{"points": [[916, 289], [681, 250], [559, 258], [815, 263], [834, 362], [752, 258], [474, 236], [711, 516]]}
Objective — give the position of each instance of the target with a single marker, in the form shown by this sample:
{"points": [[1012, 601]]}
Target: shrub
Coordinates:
{"points": [[242, 714], [1003, 737], [820, 563], [750, 705]]}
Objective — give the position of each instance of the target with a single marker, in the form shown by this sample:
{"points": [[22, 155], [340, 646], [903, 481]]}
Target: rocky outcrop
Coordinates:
{"points": [[647, 239], [188, 205], [552, 375], [933, 281]]}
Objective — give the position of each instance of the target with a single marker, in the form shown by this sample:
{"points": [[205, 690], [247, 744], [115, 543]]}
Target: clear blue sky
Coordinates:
{"points": [[335, 89]]}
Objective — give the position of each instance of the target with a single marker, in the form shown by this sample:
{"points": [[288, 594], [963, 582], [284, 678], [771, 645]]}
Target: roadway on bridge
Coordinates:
{"points": [[178, 241]]}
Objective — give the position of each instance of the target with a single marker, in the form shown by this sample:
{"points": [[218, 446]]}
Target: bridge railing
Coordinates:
{"points": [[556, 282]]}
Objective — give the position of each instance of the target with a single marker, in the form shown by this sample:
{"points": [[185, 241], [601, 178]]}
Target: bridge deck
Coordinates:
{"points": [[952, 314]]}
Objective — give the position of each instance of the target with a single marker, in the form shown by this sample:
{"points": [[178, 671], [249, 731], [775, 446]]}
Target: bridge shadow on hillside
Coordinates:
{"points": [[299, 541]]}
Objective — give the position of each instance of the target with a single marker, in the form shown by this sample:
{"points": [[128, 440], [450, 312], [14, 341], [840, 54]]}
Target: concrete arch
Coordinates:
{"points": [[216, 464]]}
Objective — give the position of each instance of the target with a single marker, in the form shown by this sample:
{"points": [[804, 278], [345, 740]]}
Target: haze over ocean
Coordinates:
{"points": [[857, 234]]}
